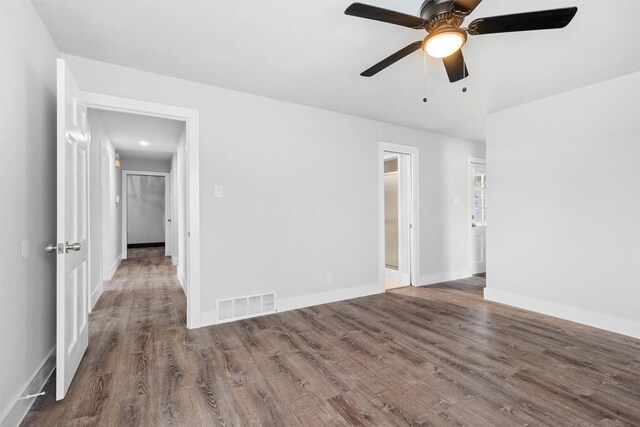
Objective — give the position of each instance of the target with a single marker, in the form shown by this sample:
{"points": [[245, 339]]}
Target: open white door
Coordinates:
{"points": [[478, 205], [72, 309]]}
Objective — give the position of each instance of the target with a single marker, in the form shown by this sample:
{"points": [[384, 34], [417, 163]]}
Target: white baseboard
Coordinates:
{"points": [[443, 277], [578, 315], [95, 296], [16, 411], [181, 279], [209, 318], [390, 273], [115, 266]]}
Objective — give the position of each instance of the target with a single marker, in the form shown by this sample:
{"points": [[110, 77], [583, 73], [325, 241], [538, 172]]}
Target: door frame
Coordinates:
{"points": [[191, 119], [470, 188], [167, 211], [413, 154]]}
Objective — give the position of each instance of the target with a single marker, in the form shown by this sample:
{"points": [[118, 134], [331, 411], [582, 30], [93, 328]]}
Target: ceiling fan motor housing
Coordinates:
{"points": [[440, 13]]}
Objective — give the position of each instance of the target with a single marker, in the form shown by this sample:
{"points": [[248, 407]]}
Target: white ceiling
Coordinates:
{"points": [[126, 130], [310, 53]]}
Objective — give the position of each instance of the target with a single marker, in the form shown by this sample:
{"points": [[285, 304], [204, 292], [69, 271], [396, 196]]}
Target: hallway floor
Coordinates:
{"points": [[146, 252], [436, 355]]}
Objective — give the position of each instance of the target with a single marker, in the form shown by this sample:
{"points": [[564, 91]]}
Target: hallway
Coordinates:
{"points": [[436, 355]]}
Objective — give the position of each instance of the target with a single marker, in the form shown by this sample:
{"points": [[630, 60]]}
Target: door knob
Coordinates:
{"points": [[50, 248], [72, 247]]}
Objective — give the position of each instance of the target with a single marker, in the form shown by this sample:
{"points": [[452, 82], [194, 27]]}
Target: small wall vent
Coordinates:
{"points": [[238, 308]]}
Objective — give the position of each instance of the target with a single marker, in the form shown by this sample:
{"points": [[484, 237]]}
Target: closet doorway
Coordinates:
{"points": [[399, 182], [146, 213]]}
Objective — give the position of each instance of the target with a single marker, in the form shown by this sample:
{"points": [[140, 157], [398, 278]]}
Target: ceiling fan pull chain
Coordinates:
{"points": [[424, 76]]}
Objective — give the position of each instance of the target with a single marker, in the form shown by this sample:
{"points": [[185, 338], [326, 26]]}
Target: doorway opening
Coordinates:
{"points": [[147, 227], [478, 216], [174, 161], [137, 159], [399, 215]]}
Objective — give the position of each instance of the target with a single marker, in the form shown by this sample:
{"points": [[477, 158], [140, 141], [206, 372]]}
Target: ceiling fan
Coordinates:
{"points": [[442, 20]]}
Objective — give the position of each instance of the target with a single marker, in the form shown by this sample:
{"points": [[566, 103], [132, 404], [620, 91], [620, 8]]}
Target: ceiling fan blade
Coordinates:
{"points": [[528, 21], [455, 66], [466, 6], [392, 59], [385, 15]]}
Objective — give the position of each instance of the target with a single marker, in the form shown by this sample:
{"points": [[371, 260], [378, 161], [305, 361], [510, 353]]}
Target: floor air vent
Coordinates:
{"points": [[245, 307]]}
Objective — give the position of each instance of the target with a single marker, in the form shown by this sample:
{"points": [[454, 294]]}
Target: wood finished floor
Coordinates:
{"points": [[414, 356]]}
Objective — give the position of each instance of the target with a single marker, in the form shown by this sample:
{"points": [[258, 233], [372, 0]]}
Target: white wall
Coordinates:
{"points": [[180, 203], [95, 216], [444, 223], [110, 214], [145, 209], [27, 204], [300, 190], [564, 214], [113, 213], [143, 164], [174, 210]]}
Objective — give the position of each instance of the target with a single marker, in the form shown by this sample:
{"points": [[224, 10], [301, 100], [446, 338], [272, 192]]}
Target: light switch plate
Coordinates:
{"points": [[218, 192]]}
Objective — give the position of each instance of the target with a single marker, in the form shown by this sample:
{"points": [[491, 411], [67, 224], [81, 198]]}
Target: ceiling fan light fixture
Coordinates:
{"points": [[444, 43]]}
